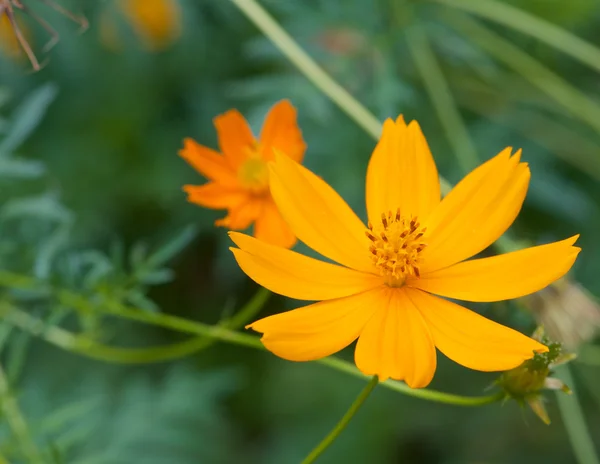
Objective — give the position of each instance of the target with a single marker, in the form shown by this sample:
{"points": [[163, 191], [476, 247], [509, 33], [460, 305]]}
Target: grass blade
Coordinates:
{"points": [[441, 97], [558, 89], [522, 21]]}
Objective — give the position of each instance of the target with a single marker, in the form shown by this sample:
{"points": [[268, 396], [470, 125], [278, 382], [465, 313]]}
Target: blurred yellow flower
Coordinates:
{"points": [[414, 247], [156, 22], [239, 177], [9, 45]]}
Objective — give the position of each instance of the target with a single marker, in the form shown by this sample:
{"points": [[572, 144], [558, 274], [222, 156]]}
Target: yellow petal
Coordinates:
{"points": [[297, 276], [213, 195], [502, 277], [470, 339], [396, 342], [235, 137], [402, 173], [241, 216], [271, 228], [476, 212], [318, 215], [281, 132], [317, 330], [209, 163]]}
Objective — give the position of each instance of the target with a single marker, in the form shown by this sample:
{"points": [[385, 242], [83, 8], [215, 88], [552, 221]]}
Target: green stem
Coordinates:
{"points": [[574, 421], [522, 21], [343, 423], [16, 422], [91, 348], [421, 393], [82, 345], [282, 40], [441, 97]]}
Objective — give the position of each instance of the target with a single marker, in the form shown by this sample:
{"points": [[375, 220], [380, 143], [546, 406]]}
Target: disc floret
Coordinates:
{"points": [[396, 244]]}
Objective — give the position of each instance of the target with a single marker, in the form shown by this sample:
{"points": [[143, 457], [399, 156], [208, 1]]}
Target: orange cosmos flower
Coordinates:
{"points": [[239, 178], [386, 288]]}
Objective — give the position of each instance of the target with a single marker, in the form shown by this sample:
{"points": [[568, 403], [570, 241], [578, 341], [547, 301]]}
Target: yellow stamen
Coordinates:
{"points": [[396, 245], [254, 173]]}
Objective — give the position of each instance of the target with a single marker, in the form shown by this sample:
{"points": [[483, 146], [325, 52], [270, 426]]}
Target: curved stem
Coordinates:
{"points": [[344, 421], [85, 346], [421, 393], [91, 348]]}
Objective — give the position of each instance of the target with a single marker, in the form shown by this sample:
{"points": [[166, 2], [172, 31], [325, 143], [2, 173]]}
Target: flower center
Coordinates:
{"points": [[254, 173], [396, 245]]}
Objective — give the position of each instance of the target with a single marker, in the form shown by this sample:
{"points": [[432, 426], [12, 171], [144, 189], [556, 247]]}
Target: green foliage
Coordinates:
{"points": [[92, 216]]}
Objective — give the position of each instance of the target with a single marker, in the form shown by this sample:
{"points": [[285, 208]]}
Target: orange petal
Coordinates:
{"points": [[235, 137], [476, 212], [470, 339], [241, 216], [402, 173], [271, 228], [281, 132], [297, 276], [502, 277], [208, 162], [396, 342], [214, 195], [318, 330], [318, 215]]}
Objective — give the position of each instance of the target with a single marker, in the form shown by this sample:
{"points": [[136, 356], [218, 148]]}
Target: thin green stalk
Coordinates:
{"points": [[343, 423], [441, 97], [534, 26], [281, 39], [554, 86], [17, 423], [81, 345], [91, 348], [574, 421], [421, 393]]}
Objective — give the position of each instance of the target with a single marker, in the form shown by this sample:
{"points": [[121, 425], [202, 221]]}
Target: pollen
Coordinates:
{"points": [[254, 173], [396, 243]]}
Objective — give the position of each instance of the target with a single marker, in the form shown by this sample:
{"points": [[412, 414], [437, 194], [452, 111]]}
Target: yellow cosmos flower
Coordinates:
{"points": [[239, 178], [156, 22], [385, 290]]}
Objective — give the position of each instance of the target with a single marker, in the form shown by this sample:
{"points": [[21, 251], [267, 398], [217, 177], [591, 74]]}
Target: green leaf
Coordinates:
{"points": [[21, 168], [41, 206], [27, 117], [173, 247]]}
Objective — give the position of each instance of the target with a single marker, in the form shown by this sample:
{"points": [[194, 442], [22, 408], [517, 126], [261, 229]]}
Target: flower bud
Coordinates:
{"points": [[526, 382]]}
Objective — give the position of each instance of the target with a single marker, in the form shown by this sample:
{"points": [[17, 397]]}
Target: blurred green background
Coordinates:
{"points": [[90, 191]]}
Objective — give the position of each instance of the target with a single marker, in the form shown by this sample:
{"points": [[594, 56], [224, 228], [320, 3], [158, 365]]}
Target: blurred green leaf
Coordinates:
{"points": [[27, 116], [41, 207], [20, 168], [172, 247]]}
